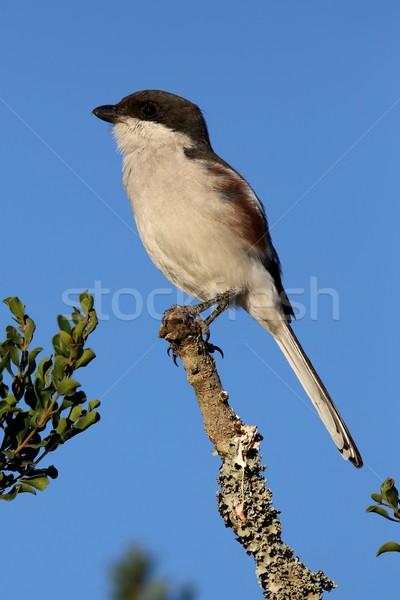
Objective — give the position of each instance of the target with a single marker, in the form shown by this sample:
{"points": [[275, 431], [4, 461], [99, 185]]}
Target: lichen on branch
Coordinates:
{"points": [[244, 501]]}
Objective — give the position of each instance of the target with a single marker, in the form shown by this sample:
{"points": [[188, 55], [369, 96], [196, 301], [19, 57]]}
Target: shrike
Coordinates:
{"points": [[205, 228]]}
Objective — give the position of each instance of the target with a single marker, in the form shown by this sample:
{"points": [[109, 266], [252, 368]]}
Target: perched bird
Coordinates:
{"points": [[205, 229]]}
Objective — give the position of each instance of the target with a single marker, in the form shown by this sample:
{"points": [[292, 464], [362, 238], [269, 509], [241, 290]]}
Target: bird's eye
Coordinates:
{"points": [[149, 109]]}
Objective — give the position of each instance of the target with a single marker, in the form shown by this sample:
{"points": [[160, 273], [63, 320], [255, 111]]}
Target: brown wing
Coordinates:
{"points": [[248, 219]]}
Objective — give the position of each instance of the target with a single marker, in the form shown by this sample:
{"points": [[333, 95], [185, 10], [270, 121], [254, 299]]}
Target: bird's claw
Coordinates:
{"points": [[205, 331], [174, 354], [211, 348]]}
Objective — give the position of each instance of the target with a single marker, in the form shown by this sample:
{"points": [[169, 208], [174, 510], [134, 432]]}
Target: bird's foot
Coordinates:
{"points": [[221, 302], [174, 354], [211, 348]]}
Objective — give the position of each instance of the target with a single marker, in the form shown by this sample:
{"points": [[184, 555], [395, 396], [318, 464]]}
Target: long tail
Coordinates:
{"points": [[317, 392]]}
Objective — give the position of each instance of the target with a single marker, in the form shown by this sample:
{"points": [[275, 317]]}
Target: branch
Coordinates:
{"points": [[244, 502]]}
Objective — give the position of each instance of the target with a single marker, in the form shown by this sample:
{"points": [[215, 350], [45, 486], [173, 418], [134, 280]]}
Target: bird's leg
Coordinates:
{"points": [[222, 301]]}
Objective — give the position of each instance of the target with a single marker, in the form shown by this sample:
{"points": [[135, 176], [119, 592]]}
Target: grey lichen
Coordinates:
{"points": [[245, 504]]}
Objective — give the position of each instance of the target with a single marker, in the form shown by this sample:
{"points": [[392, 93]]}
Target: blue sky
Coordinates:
{"points": [[303, 99]]}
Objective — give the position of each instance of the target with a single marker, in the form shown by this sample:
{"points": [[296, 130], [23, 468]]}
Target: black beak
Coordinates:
{"points": [[107, 113]]}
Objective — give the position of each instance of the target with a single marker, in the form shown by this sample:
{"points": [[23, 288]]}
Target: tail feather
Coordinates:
{"points": [[317, 392]]}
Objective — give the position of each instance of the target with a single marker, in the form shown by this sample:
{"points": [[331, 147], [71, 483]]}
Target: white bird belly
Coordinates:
{"points": [[185, 229]]}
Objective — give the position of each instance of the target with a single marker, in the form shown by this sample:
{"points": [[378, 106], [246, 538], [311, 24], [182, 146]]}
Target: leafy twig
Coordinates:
{"points": [[388, 498], [40, 408]]}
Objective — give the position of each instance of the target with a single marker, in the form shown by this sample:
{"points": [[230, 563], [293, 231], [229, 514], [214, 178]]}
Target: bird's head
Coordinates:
{"points": [[155, 117]]}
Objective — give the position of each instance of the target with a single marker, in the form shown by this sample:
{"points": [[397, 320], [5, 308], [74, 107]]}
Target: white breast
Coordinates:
{"points": [[181, 219]]}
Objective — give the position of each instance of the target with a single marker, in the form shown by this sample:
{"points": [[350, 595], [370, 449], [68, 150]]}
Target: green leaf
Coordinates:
{"points": [[64, 324], [32, 361], [40, 444], [29, 330], [390, 492], [14, 355], [62, 427], [76, 352], [87, 356], [380, 511], [39, 483], [388, 484], [58, 372], [66, 403], [14, 336], [388, 547], [94, 404], [38, 418], [66, 387], [77, 398], [44, 366], [10, 399], [38, 386], [93, 322], [25, 487], [86, 301], [4, 363], [7, 405], [60, 362], [59, 346], [65, 338], [16, 306], [75, 413], [11, 495], [21, 426], [376, 497], [87, 420], [76, 316], [78, 330]]}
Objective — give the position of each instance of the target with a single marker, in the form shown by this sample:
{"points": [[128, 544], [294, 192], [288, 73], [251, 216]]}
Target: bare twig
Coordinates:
{"points": [[243, 500]]}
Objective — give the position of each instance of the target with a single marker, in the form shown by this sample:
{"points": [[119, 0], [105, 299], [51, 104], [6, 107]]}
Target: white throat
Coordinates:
{"points": [[135, 134]]}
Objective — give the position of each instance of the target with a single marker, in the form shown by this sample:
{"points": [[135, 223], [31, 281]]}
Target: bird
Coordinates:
{"points": [[206, 230]]}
